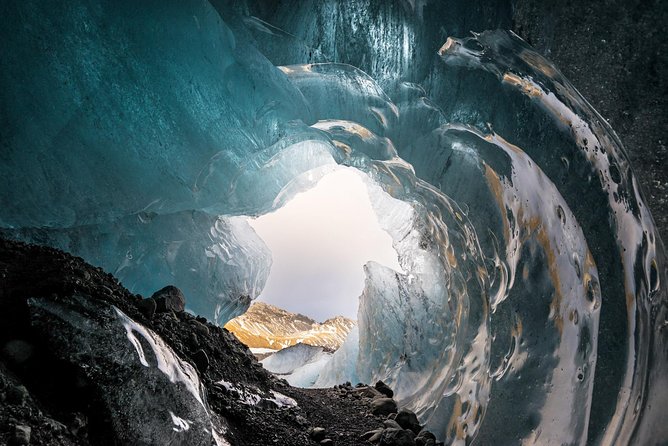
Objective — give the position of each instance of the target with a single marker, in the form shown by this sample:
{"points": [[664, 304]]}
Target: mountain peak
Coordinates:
{"points": [[268, 326]]}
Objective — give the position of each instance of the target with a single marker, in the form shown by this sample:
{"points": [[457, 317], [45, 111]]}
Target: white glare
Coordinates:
{"points": [[319, 242]]}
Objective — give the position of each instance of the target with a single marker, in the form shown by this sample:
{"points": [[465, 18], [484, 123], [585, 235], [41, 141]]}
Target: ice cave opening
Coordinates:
{"points": [[320, 241]]}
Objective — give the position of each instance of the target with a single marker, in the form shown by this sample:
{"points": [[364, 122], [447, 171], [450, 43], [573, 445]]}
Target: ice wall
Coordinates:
{"points": [[532, 299]]}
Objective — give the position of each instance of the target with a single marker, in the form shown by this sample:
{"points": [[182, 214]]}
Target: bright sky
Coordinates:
{"points": [[319, 242]]}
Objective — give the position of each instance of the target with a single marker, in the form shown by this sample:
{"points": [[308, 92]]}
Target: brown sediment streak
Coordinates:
{"points": [[539, 62], [517, 330], [455, 426], [630, 304], [589, 265], [344, 147], [496, 188], [348, 126], [532, 90], [380, 116], [535, 226], [361, 131], [499, 140], [450, 253], [446, 46], [589, 262], [528, 88], [295, 68], [389, 172]]}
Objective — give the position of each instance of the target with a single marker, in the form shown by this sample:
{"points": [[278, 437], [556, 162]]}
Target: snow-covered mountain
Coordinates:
{"points": [[267, 326]]}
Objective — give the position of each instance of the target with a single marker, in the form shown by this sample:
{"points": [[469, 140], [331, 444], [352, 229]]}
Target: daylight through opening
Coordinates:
{"points": [[320, 241]]}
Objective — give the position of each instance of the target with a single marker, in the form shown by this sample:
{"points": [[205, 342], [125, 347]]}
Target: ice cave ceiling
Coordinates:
{"points": [[139, 134]]}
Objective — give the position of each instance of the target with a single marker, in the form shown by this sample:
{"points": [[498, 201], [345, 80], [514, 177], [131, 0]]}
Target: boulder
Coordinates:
{"points": [[425, 438], [147, 307], [317, 433], [384, 389], [408, 420], [17, 395], [201, 361], [169, 298], [383, 406], [397, 437], [367, 392]]}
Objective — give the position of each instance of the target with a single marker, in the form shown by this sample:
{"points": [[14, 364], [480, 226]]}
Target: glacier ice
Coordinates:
{"points": [[531, 302], [299, 365]]}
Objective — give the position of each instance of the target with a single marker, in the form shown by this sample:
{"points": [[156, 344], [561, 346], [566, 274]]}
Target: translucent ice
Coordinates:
{"points": [[299, 365], [531, 299]]}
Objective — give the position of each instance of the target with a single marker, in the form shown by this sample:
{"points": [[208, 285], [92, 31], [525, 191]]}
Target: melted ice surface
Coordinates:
{"points": [[531, 304], [176, 370]]}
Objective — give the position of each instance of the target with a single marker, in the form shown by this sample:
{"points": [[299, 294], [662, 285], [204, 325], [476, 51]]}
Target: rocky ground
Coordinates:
{"points": [[50, 394], [616, 54]]}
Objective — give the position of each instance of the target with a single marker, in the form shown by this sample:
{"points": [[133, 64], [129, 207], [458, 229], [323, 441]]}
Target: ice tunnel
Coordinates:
{"points": [[531, 308]]}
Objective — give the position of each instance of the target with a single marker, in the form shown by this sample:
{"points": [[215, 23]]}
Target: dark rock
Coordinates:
{"points": [[201, 361], [408, 420], [147, 307], [301, 420], [265, 403], [376, 437], [371, 434], [18, 350], [383, 406], [317, 433], [17, 395], [426, 435], [78, 424], [53, 425], [200, 328], [91, 337], [391, 424], [22, 434], [367, 392], [384, 389], [169, 298], [425, 438], [397, 437], [192, 340]]}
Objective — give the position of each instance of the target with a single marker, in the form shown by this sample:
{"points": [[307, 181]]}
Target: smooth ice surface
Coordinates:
{"points": [[531, 302], [300, 365]]}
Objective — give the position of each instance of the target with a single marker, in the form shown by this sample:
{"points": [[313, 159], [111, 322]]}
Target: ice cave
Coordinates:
{"points": [[530, 302]]}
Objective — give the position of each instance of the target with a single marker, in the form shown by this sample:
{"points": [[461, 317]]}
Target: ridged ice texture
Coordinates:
{"points": [[531, 308]]}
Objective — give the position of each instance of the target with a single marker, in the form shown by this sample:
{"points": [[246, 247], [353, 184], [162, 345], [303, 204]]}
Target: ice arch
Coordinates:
{"points": [[320, 241], [137, 135]]}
